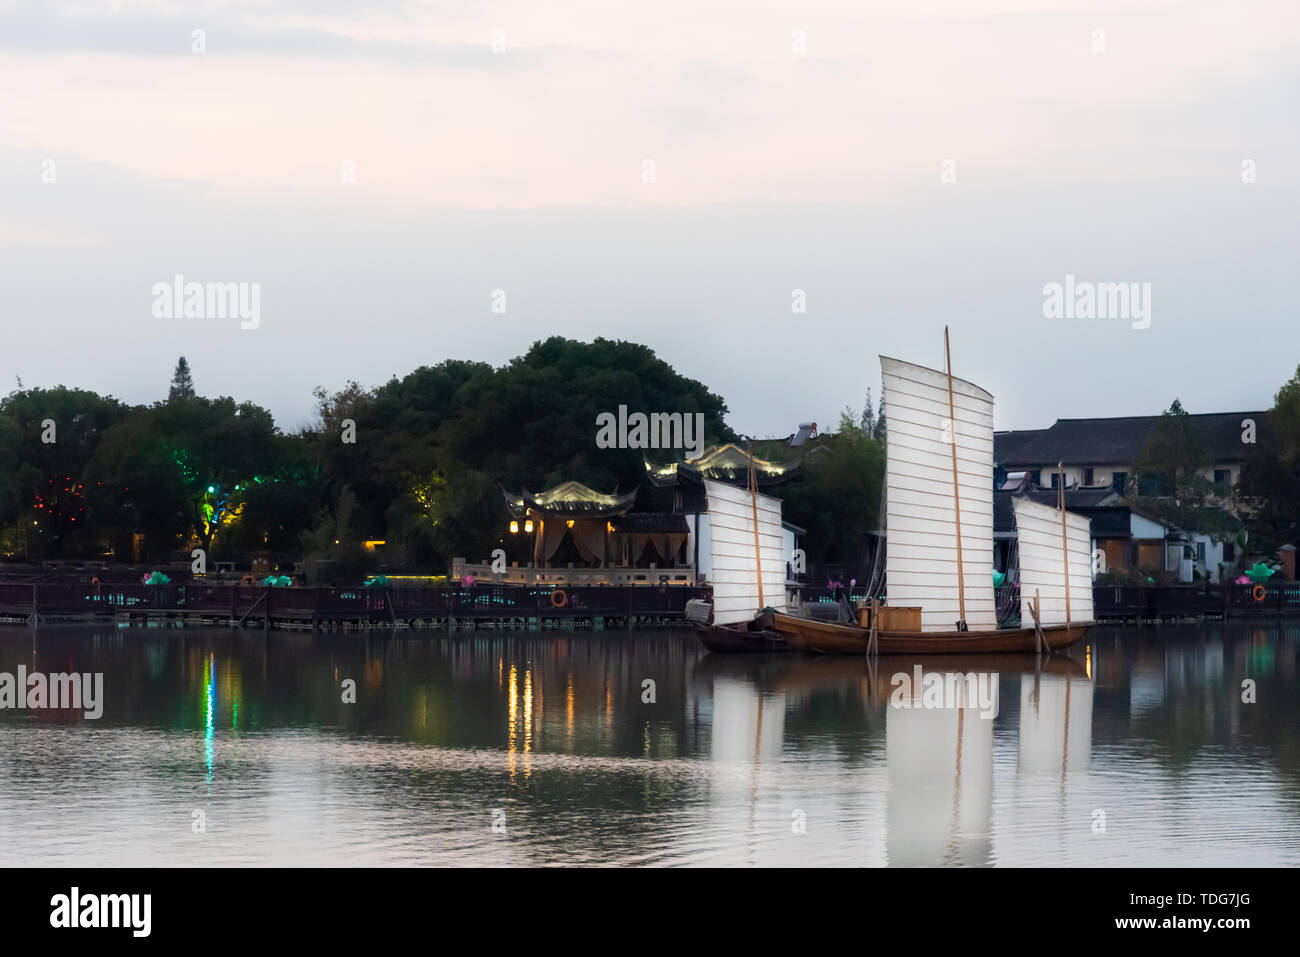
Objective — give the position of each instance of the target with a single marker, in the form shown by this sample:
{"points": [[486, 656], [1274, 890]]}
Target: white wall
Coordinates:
{"points": [[1144, 528], [700, 531], [1213, 556]]}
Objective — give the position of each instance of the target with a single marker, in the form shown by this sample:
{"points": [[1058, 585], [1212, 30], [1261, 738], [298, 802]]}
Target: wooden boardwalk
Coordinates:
{"points": [[479, 605]]}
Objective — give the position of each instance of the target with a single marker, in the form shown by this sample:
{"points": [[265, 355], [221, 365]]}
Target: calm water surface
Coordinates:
{"points": [[1144, 731]]}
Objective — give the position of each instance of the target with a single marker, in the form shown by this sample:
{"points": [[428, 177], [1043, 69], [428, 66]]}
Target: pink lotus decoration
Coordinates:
{"points": [[1243, 580], [468, 579]]}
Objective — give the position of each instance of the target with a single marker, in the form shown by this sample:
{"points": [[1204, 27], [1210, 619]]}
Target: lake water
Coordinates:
{"points": [[498, 749]]}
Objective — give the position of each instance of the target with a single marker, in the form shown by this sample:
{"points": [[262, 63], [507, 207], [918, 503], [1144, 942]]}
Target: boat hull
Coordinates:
{"points": [[825, 638], [740, 638], [757, 635]]}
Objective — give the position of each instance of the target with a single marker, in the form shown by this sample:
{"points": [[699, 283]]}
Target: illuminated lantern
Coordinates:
{"points": [[514, 528], [528, 525]]}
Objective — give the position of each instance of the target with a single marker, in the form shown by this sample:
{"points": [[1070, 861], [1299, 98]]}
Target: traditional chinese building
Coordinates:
{"points": [[575, 533], [612, 544], [730, 465]]}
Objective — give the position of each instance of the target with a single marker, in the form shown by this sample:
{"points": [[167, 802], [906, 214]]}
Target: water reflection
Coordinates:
{"points": [[733, 760], [940, 758]]}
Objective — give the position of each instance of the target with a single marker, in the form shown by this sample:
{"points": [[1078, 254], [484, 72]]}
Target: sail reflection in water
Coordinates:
{"points": [[747, 726], [1055, 724], [940, 772]]}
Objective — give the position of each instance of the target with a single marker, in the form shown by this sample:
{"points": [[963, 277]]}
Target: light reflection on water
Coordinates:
{"points": [[739, 760]]}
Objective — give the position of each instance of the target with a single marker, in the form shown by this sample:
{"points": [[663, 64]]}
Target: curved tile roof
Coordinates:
{"points": [[571, 499], [722, 463]]}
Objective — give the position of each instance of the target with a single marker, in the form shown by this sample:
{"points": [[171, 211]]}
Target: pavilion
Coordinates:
{"points": [[598, 524]]}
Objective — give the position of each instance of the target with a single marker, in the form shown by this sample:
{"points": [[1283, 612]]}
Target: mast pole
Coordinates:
{"points": [[956, 497], [753, 498], [1065, 549]]}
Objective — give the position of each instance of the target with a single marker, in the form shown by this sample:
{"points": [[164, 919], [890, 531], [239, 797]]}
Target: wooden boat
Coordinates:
{"points": [[755, 635], [939, 537]]}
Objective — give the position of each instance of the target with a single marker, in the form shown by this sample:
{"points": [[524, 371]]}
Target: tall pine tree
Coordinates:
{"points": [[868, 420], [182, 382]]}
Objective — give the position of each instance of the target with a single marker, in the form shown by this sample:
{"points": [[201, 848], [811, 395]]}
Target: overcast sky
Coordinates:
{"points": [[795, 146]]}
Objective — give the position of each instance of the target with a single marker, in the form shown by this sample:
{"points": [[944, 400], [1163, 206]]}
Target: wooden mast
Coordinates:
{"points": [[1065, 548], [753, 498], [956, 497]]}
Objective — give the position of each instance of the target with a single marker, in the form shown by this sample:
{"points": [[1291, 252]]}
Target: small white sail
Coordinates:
{"points": [[1043, 562], [735, 568], [921, 547]]}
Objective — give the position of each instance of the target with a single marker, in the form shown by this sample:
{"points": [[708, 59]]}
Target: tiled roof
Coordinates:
{"points": [[1108, 511], [722, 463], [1119, 441], [568, 499]]}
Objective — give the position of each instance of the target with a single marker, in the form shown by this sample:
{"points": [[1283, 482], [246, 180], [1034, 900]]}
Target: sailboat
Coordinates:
{"points": [[939, 537], [748, 570]]}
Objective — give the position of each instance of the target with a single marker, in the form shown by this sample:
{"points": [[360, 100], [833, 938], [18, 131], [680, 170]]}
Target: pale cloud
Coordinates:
{"points": [[584, 94]]}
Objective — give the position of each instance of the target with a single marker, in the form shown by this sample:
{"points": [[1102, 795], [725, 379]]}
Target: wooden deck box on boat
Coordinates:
{"points": [[893, 618]]}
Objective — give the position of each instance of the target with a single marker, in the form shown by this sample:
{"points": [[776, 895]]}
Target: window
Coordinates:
{"points": [[1056, 477], [1087, 476], [1200, 552], [1222, 476], [1151, 485], [1117, 481], [1229, 552]]}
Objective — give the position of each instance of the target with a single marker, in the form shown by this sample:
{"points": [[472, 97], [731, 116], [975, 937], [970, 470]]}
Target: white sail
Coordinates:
{"points": [[921, 548], [1043, 562], [734, 575]]}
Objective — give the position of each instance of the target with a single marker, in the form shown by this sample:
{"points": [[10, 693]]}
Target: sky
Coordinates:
{"points": [[408, 182]]}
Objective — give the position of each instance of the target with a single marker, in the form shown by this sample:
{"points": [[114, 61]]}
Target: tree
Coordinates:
{"points": [[432, 446], [1173, 459], [335, 541], [182, 383], [1284, 417], [181, 468], [836, 494], [867, 423], [49, 437], [1270, 480], [879, 432]]}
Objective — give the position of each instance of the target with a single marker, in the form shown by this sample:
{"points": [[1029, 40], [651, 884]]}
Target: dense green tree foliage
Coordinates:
{"points": [[1271, 479], [836, 496]]}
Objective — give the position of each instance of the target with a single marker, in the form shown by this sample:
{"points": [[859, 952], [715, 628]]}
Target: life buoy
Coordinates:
{"points": [[558, 598], [1258, 592], [94, 581], [248, 580]]}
